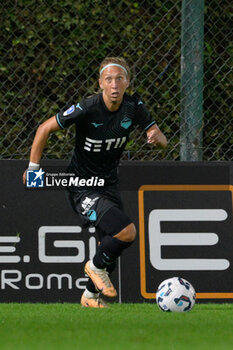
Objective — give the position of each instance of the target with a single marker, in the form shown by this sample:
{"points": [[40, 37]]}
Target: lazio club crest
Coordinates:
{"points": [[126, 123]]}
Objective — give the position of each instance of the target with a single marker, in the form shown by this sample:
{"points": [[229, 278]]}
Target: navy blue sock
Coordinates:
{"points": [[108, 251]]}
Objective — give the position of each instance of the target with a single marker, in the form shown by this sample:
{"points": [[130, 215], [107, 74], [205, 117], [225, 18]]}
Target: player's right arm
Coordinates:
{"points": [[40, 140]]}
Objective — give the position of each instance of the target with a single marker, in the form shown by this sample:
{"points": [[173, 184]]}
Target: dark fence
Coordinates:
{"points": [[51, 50]]}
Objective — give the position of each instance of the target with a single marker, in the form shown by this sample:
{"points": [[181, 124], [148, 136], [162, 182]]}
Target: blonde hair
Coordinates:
{"points": [[115, 60]]}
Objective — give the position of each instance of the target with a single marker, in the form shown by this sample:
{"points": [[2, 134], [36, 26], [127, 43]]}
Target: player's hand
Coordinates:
{"points": [[154, 136], [24, 177]]}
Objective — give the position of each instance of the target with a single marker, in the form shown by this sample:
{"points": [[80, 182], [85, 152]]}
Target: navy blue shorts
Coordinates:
{"points": [[102, 209]]}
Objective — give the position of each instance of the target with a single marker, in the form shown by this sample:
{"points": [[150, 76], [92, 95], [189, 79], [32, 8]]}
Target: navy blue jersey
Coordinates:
{"points": [[101, 135]]}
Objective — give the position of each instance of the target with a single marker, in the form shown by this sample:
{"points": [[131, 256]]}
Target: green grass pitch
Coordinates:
{"points": [[125, 326]]}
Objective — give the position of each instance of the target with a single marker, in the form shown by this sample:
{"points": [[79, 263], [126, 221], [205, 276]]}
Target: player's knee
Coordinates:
{"points": [[128, 233]]}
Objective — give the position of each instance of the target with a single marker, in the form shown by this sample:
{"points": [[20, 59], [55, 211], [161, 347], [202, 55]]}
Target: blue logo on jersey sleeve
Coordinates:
{"points": [[35, 178], [69, 111]]}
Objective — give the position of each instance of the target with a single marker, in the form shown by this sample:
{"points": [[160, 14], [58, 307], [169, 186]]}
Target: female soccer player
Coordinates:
{"points": [[103, 125]]}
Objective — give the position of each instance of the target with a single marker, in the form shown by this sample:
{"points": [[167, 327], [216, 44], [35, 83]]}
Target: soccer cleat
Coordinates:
{"points": [[101, 281], [93, 302]]}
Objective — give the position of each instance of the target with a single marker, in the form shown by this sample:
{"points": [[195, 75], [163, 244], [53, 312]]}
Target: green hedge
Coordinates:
{"points": [[51, 50]]}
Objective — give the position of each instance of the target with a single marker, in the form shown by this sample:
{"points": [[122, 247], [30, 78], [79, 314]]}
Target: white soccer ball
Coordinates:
{"points": [[176, 295]]}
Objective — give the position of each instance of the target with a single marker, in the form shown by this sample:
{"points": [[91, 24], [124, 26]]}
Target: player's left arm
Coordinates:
{"points": [[156, 137]]}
